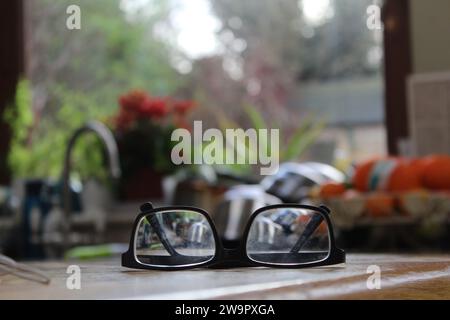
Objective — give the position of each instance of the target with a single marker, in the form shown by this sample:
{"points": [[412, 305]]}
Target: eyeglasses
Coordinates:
{"points": [[282, 236], [9, 266]]}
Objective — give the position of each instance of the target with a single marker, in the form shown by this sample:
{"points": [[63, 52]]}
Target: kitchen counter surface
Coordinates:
{"points": [[402, 276]]}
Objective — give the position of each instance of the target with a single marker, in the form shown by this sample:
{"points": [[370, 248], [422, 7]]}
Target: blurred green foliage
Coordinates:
{"points": [[291, 146], [20, 119], [37, 152], [78, 75]]}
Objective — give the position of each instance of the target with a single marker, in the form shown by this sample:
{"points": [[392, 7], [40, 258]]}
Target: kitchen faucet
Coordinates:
{"points": [[111, 149]]}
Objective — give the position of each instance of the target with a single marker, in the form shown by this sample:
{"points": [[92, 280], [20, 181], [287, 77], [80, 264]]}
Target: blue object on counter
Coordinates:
{"points": [[41, 196], [36, 199]]}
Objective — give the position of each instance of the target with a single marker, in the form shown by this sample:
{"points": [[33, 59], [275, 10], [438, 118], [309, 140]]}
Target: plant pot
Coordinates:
{"points": [[144, 184]]}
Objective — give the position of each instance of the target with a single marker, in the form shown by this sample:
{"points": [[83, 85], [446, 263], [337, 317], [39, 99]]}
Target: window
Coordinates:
{"points": [[287, 59]]}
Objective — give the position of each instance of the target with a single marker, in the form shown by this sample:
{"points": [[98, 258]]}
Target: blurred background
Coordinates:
{"points": [[360, 90]]}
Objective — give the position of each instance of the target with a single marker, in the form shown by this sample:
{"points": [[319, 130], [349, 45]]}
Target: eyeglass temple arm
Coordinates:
{"points": [[23, 271], [312, 225], [159, 230], [162, 235]]}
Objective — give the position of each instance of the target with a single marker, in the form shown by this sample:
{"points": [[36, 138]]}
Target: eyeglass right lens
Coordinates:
{"points": [[288, 236], [174, 238]]}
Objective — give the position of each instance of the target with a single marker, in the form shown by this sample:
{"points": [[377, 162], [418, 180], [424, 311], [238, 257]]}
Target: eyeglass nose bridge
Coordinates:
{"points": [[230, 258], [231, 254]]}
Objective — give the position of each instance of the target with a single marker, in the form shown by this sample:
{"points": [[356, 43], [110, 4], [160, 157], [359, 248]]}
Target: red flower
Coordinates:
{"points": [[138, 105], [154, 108], [133, 101], [182, 107]]}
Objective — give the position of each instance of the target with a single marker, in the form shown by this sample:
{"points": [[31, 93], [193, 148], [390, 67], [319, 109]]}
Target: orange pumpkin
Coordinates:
{"points": [[436, 172], [362, 174], [404, 177], [388, 174], [380, 204], [332, 189], [418, 165]]}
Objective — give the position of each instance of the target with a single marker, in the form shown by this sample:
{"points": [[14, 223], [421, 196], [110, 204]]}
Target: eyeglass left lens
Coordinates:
{"points": [[174, 238]]}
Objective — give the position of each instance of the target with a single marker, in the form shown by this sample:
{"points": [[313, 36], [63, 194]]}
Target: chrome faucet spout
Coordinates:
{"points": [[112, 153]]}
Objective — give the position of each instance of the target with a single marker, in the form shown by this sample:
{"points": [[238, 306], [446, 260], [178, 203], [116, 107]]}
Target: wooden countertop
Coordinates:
{"points": [[402, 276]]}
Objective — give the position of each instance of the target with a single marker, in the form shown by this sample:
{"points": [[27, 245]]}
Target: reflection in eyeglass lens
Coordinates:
{"points": [[288, 236], [174, 238]]}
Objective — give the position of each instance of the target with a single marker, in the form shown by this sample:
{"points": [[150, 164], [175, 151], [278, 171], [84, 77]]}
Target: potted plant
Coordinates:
{"points": [[143, 128]]}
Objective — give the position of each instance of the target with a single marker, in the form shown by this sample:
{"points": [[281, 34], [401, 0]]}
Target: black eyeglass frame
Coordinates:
{"points": [[235, 257]]}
